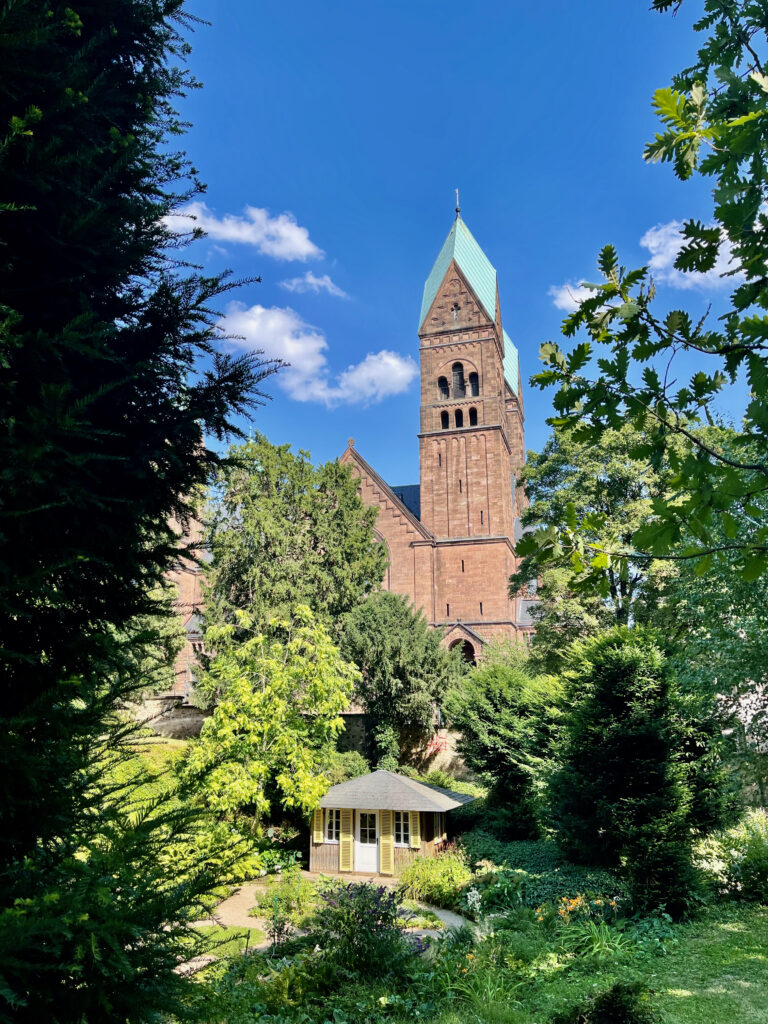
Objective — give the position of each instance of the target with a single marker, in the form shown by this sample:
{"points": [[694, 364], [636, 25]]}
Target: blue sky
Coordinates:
{"points": [[332, 136]]}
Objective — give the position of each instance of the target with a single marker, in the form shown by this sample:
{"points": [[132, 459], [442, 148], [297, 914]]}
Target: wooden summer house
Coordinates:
{"points": [[379, 823]]}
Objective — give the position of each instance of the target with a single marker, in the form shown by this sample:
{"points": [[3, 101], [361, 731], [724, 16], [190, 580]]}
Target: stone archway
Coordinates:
{"points": [[467, 650]]}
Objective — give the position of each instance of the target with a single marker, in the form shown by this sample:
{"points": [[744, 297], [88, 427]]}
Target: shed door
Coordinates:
{"points": [[367, 841]]}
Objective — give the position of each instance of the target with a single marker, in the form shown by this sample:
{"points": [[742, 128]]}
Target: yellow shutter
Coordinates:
{"points": [[317, 826], [386, 845], [346, 843], [415, 823], [443, 826]]}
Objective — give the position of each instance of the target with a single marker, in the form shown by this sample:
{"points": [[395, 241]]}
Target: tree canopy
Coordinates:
{"points": [[714, 123], [283, 532], [280, 701], [111, 377], [405, 670]]}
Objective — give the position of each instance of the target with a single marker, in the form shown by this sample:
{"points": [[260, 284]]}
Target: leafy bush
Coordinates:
{"points": [[744, 854], [357, 927], [621, 1004], [437, 880], [345, 765], [291, 897], [507, 719], [546, 875]]}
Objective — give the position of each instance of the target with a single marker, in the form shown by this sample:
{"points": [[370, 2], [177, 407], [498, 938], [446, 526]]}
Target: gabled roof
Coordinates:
{"points": [[461, 246], [386, 791], [352, 454]]}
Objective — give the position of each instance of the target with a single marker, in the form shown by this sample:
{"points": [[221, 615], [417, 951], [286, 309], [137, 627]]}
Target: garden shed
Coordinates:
{"points": [[379, 823]]}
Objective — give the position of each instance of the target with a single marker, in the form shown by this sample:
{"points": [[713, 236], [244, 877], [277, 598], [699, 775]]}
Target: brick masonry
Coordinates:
{"points": [[455, 561]]}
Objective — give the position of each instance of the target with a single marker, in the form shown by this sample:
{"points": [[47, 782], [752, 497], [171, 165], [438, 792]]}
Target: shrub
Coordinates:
{"points": [[620, 799], [292, 898], [744, 854], [621, 1004], [507, 720], [356, 926], [345, 765], [437, 880], [546, 875]]}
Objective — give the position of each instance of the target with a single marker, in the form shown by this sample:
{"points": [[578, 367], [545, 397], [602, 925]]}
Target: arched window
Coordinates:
{"points": [[459, 418], [442, 387], [444, 422], [473, 417], [474, 384], [459, 387]]}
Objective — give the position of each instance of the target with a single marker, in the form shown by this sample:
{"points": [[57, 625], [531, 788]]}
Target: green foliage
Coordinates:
{"points": [[744, 856], [357, 926], [111, 379], [619, 798], [283, 532], [507, 719], [623, 1003], [602, 493], [341, 766], [437, 880], [546, 876], [714, 124], [279, 707], [405, 670], [293, 895]]}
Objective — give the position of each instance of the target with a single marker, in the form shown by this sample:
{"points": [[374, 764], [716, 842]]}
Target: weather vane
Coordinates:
{"points": [[458, 208]]}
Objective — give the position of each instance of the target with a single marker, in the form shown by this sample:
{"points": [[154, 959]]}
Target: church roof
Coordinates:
{"points": [[410, 495], [460, 245]]}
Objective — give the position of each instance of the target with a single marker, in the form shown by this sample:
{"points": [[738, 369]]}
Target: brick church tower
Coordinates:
{"points": [[451, 537]]}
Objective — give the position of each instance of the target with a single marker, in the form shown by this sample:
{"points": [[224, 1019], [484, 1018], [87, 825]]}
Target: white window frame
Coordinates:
{"points": [[404, 828], [332, 825]]}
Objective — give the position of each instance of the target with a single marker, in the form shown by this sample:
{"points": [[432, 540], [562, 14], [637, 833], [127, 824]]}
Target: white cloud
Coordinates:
{"points": [[664, 243], [280, 237], [282, 334], [568, 296], [310, 282]]}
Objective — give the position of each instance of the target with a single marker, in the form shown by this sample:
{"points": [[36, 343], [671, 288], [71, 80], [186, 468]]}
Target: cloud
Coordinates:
{"points": [[568, 296], [280, 237], [664, 243], [309, 282], [282, 334]]}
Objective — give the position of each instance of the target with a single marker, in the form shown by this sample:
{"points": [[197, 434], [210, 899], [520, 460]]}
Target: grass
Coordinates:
{"points": [[231, 941], [716, 974], [719, 972]]}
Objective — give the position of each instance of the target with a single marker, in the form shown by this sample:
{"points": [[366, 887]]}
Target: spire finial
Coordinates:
{"points": [[458, 208]]}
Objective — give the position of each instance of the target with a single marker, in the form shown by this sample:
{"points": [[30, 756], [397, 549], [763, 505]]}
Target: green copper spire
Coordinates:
{"points": [[460, 245]]}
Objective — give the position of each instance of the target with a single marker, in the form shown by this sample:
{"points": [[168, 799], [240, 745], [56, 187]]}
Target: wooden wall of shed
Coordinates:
{"points": [[324, 857]]}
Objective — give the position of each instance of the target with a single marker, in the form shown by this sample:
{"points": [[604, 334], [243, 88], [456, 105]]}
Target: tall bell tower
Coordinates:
{"points": [[471, 443]]}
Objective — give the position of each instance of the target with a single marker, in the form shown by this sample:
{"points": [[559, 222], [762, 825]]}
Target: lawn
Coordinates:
{"points": [[717, 973]]}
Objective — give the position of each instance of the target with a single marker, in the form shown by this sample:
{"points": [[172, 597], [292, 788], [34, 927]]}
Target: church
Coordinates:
{"points": [[450, 537]]}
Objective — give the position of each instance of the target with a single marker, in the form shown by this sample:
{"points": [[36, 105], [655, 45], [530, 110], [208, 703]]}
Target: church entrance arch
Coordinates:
{"points": [[467, 651]]}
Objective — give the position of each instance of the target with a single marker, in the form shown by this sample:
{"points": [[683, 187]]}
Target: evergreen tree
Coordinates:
{"points": [[283, 532], [620, 797], [405, 670], [103, 422]]}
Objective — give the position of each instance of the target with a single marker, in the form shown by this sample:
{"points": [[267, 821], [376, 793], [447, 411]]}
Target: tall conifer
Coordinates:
{"points": [[109, 379]]}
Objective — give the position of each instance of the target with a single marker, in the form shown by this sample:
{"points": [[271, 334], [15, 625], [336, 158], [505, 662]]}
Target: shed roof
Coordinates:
{"points": [[385, 791]]}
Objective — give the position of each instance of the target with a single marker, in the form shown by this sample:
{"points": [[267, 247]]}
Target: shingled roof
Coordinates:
{"points": [[386, 791]]}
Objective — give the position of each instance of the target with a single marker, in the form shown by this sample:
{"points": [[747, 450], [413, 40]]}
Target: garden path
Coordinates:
{"points": [[233, 911]]}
